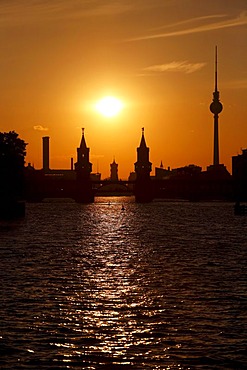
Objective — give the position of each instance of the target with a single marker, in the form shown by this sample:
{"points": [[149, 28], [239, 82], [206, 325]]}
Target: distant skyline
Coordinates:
{"points": [[59, 57]]}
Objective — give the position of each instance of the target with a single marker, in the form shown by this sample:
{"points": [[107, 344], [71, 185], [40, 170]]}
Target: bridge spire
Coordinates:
{"points": [[83, 144], [143, 141]]}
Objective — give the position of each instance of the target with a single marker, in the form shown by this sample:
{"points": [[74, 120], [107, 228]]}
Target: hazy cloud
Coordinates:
{"points": [[181, 66], [21, 11], [234, 22], [40, 128]]}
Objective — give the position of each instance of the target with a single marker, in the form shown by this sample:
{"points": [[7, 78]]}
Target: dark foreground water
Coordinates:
{"points": [[153, 286]]}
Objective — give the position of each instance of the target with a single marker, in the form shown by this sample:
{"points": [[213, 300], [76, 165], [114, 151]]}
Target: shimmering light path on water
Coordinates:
{"points": [[153, 286]]}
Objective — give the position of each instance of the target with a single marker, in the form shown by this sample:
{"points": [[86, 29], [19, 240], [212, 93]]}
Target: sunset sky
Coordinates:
{"points": [[59, 57]]}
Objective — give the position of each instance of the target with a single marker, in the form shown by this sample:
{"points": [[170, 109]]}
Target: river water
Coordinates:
{"points": [[151, 286]]}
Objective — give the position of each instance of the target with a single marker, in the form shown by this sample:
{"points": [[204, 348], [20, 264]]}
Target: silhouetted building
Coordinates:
{"points": [[143, 168], [46, 153], [114, 171], [132, 176], [239, 174], [178, 183], [161, 172], [188, 171]]}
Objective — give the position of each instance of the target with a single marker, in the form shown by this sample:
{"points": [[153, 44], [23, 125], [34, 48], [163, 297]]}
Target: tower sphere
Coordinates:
{"points": [[216, 107]]}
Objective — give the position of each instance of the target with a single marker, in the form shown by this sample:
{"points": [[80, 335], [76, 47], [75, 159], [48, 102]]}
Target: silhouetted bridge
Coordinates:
{"points": [[58, 186], [42, 186]]}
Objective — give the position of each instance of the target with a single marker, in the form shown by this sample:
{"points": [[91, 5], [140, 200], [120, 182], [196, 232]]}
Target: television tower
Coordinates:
{"points": [[216, 107]]}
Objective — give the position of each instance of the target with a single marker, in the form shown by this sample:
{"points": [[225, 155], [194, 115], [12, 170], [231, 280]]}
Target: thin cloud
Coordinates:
{"points": [[234, 22], [189, 21], [181, 66], [40, 128]]}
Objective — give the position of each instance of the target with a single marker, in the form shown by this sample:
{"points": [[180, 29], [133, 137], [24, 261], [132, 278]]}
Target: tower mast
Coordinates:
{"points": [[216, 107]]}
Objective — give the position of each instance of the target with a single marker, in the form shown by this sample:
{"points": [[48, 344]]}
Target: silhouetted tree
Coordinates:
{"points": [[12, 160]]}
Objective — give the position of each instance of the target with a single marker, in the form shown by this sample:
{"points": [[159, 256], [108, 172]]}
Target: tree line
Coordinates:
{"points": [[12, 161]]}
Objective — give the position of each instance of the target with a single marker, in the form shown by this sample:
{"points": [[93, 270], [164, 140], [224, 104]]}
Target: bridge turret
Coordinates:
{"points": [[143, 167], [83, 168], [114, 171], [83, 164]]}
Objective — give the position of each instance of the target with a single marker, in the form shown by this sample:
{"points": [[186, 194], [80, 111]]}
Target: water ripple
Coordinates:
{"points": [[156, 286]]}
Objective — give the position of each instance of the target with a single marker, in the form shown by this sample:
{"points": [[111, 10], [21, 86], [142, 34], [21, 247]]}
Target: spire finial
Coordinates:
{"points": [[142, 130], [83, 129]]}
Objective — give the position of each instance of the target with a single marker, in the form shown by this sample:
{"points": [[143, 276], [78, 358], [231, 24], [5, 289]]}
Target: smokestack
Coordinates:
{"points": [[71, 164], [46, 158]]}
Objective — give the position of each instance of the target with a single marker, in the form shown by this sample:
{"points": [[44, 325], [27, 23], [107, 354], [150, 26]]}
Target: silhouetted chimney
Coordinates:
{"points": [[71, 164], [46, 166]]}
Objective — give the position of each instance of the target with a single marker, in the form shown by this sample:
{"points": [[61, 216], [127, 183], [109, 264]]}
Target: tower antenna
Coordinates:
{"points": [[216, 61]]}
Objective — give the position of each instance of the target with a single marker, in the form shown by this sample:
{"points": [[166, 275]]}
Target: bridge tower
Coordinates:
{"points": [[83, 168], [143, 187], [114, 171]]}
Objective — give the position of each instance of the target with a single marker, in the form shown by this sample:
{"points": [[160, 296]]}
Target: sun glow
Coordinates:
{"points": [[109, 106]]}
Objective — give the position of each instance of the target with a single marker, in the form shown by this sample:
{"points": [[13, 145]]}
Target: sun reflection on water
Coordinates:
{"points": [[113, 288]]}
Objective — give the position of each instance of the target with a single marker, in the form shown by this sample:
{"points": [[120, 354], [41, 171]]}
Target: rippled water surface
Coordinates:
{"points": [[154, 286]]}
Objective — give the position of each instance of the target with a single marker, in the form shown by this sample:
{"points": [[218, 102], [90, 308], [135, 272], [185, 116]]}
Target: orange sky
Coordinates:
{"points": [[59, 57]]}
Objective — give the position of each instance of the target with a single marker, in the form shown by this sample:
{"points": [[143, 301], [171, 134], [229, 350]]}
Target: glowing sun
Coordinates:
{"points": [[109, 106]]}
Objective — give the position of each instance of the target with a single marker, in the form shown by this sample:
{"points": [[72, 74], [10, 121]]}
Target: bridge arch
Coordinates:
{"points": [[113, 187]]}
